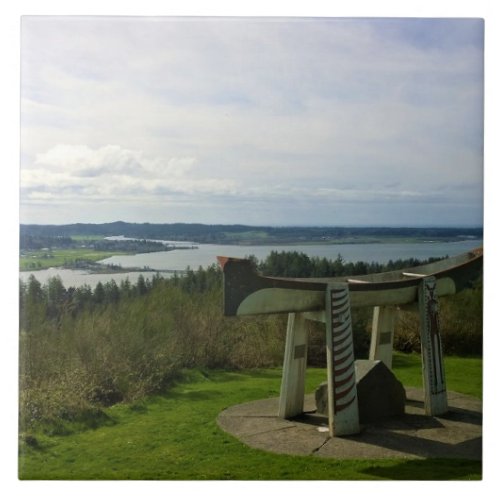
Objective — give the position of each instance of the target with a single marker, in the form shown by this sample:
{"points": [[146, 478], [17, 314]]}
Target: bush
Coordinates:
{"points": [[461, 324], [58, 406], [81, 358]]}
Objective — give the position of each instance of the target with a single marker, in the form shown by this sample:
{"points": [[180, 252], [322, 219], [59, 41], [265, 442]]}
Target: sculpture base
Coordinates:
{"points": [[458, 434]]}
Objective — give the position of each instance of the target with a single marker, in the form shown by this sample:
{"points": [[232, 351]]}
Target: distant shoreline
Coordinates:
{"points": [[83, 246], [252, 235], [92, 263]]}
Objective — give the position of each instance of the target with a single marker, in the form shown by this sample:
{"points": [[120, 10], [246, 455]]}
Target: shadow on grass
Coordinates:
{"points": [[74, 422], [405, 361], [138, 407], [29, 442], [430, 469]]}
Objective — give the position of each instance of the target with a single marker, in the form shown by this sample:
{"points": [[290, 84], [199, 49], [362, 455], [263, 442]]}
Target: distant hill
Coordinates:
{"points": [[251, 235]]}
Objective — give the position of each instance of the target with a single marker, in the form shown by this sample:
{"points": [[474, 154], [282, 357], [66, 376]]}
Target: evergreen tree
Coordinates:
{"points": [[111, 292], [125, 288], [99, 293], [141, 286]]}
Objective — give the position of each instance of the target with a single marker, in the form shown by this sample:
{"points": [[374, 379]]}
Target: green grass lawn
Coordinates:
{"points": [[175, 436], [463, 375]]}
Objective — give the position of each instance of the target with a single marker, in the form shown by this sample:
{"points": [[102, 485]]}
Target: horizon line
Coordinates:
{"points": [[403, 226]]}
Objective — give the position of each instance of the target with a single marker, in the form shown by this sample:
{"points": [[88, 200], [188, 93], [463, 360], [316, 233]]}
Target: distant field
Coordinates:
{"points": [[244, 237], [43, 259], [267, 238], [87, 237]]}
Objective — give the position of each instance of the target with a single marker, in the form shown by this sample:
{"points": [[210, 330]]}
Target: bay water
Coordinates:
{"points": [[166, 263]]}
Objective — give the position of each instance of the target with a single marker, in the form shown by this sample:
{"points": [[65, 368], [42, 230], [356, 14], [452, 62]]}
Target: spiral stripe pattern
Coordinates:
{"points": [[344, 379]]}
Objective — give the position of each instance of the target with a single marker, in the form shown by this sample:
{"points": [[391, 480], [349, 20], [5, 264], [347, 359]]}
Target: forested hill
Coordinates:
{"points": [[241, 234]]}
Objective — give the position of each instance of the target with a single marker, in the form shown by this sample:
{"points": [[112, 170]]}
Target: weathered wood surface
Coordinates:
{"points": [[294, 367], [382, 337], [435, 401], [248, 292]]}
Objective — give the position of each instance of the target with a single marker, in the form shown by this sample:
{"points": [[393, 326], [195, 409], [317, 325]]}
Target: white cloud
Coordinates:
{"points": [[66, 171], [250, 110]]}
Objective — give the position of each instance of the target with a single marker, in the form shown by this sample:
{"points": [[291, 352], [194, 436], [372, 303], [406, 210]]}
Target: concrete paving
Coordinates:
{"points": [[457, 434]]}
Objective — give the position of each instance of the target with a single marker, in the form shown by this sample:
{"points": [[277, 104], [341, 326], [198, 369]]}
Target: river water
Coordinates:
{"points": [[205, 255]]}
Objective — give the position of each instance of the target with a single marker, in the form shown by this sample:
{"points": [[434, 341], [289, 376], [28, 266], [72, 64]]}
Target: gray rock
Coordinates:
{"points": [[321, 396], [380, 393]]}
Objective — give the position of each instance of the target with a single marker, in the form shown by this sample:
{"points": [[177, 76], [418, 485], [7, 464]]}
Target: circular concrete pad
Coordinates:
{"points": [[457, 434]]}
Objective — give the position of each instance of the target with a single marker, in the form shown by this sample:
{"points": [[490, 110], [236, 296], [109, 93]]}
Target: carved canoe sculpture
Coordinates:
{"points": [[248, 292], [329, 300]]}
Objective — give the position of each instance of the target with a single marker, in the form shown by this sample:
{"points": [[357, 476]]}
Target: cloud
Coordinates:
{"points": [[112, 172], [85, 162], [251, 111]]}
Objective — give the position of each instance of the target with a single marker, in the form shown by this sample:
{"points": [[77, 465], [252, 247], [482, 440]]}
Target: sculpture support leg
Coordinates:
{"points": [[343, 414], [294, 367], [435, 397], [382, 334]]}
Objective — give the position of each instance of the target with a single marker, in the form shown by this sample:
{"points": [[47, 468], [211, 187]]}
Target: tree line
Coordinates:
{"points": [[39, 242], [300, 265]]}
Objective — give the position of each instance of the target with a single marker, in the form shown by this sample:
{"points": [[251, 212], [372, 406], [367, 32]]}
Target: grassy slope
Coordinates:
{"points": [[175, 436]]}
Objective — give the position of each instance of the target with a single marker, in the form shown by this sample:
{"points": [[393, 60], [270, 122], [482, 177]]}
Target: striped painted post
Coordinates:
{"points": [[435, 396], [343, 415]]}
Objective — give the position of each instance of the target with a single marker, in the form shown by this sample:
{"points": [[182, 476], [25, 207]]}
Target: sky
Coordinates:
{"points": [[260, 121]]}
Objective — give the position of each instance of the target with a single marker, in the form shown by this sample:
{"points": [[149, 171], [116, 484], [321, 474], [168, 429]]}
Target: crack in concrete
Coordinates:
{"points": [[321, 446]]}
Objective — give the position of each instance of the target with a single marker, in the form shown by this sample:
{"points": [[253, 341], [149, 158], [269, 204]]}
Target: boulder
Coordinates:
{"points": [[380, 394]]}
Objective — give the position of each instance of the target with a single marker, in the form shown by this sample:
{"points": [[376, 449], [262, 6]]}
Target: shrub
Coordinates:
{"points": [[461, 325]]}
